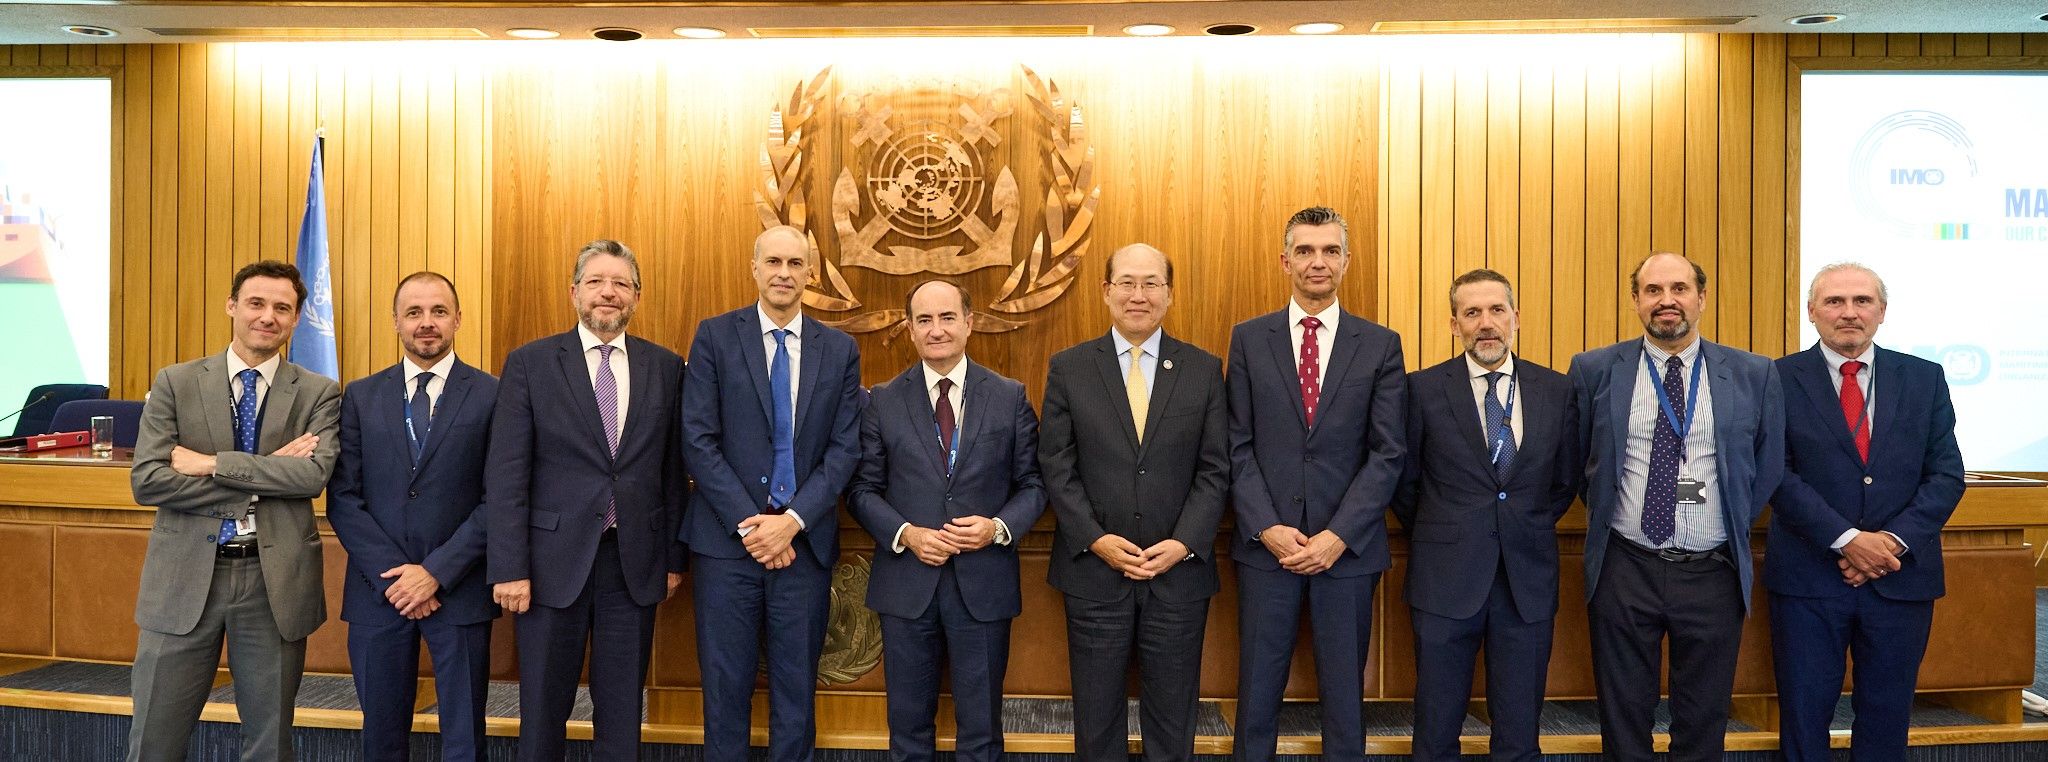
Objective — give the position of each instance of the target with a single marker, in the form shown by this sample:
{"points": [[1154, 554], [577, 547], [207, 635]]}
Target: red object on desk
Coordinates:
{"points": [[39, 442]]}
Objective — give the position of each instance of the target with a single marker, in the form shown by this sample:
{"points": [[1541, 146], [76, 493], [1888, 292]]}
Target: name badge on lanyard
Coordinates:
{"points": [[1690, 491]]}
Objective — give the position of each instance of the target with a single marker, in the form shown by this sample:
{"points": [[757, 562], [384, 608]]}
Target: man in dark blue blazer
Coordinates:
{"points": [[763, 524], [948, 483], [585, 502], [1853, 566], [404, 502], [1317, 403], [1492, 444], [1684, 441]]}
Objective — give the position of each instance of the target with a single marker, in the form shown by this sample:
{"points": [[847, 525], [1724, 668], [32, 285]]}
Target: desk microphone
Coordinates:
{"points": [[32, 403]]}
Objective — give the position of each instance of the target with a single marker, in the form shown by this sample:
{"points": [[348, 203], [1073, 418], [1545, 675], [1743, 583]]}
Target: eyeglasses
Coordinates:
{"points": [[1151, 288], [593, 284]]}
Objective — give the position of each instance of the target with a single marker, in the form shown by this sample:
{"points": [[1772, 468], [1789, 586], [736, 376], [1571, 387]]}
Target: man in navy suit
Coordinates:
{"points": [[585, 504], [1872, 472], [1684, 441], [1491, 467], [404, 502], [1317, 403], [948, 483], [1135, 456], [763, 524]]}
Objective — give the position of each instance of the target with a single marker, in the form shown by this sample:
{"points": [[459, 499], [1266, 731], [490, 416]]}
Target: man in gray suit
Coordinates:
{"points": [[232, 449]]}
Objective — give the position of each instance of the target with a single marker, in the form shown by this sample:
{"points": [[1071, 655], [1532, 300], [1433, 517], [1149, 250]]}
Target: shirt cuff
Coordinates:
{"points": [[1843, 541], [896, 544], [792, 514], [1903, 547], [1002, 532]]}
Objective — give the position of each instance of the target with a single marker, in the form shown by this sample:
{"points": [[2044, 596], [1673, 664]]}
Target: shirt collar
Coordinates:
{"points": [[796, 324], [1151, 344], [1685, 356], [1835, 359], [267, 369], [440, 368], [958, 374], [1329, 314], [590, 340], [1473, 367]]}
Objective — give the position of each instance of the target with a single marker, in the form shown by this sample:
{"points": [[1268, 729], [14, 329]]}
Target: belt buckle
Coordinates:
{"points": [[1675, 555]]}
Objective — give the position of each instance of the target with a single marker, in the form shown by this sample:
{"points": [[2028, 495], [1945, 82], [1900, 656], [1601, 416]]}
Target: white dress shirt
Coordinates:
{"points": [[1324, 335], [1866, 379], [1150, 365], [620, 372], [440, 370], [955, 395], [1500, 391], [266, 371], [1695, 527]]}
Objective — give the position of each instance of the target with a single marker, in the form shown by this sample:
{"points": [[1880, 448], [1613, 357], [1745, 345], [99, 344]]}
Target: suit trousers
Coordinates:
{"points": [[1639, 601], [620, 636], [1270, 606], [978, 653], [385, 659], [1885, 638], [743, 608], [174, 673], [1517, 665], [1166, 637]]}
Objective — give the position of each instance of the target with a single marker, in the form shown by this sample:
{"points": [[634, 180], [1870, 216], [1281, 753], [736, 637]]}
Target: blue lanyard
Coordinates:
{"points": [[952, 448], [1507, 418], [1692, 397], [409, 433]]}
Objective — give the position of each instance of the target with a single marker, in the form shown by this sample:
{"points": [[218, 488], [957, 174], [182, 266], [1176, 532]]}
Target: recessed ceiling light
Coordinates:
{"points": [[1812, 19], [84, 30], [1229, 30], [532, 33], [1317, 27], [1148, 30], [616, 34], [699, 32]]}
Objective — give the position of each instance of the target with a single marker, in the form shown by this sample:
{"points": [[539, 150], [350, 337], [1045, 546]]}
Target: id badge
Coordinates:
{"points": [[245, 525], [1691, 491]]}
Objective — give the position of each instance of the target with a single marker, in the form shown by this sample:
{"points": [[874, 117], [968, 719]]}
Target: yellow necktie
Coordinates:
{"points": [[1134, 387]]}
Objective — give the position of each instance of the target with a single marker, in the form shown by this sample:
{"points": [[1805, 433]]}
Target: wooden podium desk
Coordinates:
{"points": [[72, 542]]}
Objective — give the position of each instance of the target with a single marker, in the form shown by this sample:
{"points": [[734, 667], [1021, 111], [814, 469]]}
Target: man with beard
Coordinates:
{"points": [[585, 501], [1317, 402], [948, 483], [771, 426], [1491, 468], [1854, 563], [235, 554], [404, 502], [1685, 442]]}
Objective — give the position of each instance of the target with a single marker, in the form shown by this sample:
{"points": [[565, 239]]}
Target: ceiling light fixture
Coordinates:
{"points": [[532, 33], [1229, 30], [699, 32], [1148, 30], [1317, 27], [85, 30], [1812, 19], [616, 34]]}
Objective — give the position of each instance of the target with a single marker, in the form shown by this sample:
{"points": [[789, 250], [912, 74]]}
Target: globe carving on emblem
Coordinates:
{"points": [[925, 180]]}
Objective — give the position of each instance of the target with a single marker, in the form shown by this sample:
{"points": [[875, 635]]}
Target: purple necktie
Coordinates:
{"points": [[608, 411]]}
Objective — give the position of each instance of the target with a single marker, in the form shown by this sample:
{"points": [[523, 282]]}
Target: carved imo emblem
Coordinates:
{"points": [[927, 184]]}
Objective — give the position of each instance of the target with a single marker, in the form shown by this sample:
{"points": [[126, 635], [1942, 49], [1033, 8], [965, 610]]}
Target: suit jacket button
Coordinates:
{"points": [[1297, 498], [1502, 496], [414, 494], [949, 498], [211, 538], [1141, 472], [615, 477], [1866, 480], [1137, 515]]}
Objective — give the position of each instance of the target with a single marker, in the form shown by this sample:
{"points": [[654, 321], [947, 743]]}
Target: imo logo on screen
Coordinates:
{"points": [[1912, 171], [1965, 364]]}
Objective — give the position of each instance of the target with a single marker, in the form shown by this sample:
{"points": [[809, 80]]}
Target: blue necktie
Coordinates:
{"points": [[420, 417], [245, 433], [783, 484], [1500, 432], [1660, 495]]}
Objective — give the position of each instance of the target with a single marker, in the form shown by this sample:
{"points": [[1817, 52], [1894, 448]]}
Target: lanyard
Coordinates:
{"points": [[1507, 421], [1692, 398], [952, 448], [409, 433]]}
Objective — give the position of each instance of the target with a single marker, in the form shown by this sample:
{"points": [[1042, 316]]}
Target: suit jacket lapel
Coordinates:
{"points": [[917, 407], [215, 398], [1280, 337], [1340, 355], [387, 413], [747, 326], [1164, 382], [278, 400], [1891, 378], [453, 391], [1457, 390], [1811, 374], [1621, 392], [576, 373], [807, 374], [1108, 367], [975, 399], [639, 367]]}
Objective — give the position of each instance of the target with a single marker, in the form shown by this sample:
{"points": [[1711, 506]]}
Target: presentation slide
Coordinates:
{"points": [[1939, 181]]}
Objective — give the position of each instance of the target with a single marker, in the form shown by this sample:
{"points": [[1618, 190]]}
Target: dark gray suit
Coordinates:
{"points": [[189, 601], [1103, 480]]}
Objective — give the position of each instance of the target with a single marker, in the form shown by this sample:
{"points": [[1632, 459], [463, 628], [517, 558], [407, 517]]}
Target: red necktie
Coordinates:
{"points": [[1311, 382], [943, 415], [1852, 409]]}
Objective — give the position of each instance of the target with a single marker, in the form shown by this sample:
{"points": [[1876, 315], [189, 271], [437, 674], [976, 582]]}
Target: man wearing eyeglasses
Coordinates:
{"points": [[584, 495], [1134, 453]]}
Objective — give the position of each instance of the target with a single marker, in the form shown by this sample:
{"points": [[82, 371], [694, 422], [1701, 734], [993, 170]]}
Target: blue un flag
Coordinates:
{"points": [[313, 341]]}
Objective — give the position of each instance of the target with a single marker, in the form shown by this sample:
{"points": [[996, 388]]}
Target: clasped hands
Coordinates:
{"points": [[935, 547], [1138, 563], [1867, 556], [190, 462], [1299, 553]]}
